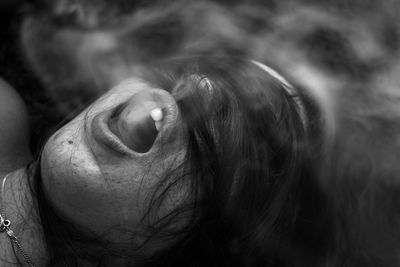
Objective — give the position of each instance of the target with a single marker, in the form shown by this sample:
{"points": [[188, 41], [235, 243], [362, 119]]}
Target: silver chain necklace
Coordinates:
{"points": [[5, 226]]}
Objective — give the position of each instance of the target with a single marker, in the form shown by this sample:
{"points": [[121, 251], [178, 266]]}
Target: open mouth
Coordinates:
{"points": [[131, 126], [103, 134]]}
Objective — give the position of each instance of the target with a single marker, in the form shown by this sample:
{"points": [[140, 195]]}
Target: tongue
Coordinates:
{"points": [[135, 125]]}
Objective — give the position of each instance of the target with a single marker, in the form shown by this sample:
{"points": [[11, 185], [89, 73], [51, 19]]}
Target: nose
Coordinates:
{"points": [[140, 121]]}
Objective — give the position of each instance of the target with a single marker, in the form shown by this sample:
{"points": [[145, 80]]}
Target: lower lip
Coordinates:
{"points": [[103, 135]]}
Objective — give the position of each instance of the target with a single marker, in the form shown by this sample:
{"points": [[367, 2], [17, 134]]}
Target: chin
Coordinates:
{"points": [[67, 152]]}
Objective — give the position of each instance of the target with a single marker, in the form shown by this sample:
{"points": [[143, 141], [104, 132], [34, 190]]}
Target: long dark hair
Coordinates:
{"points": [[251, 162]]}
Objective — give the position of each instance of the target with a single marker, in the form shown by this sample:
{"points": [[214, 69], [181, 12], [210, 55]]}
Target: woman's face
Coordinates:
{"points": [[101, 169]]}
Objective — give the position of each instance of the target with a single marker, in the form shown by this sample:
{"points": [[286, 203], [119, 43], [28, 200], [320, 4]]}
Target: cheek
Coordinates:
{"points": [[73, 182], [86, 193]]}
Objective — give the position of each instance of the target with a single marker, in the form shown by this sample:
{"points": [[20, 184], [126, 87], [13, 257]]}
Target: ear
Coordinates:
{"points": [[148, 116]]}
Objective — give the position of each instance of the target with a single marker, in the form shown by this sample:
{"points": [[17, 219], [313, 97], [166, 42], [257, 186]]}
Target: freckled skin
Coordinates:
{"points": [[98, 188]]}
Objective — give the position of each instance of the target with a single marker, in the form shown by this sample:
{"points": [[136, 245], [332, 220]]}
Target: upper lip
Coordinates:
{"points": [[102, 133]]}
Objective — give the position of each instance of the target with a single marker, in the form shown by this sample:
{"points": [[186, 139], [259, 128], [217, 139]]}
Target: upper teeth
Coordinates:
{"points": [[157, 116]]}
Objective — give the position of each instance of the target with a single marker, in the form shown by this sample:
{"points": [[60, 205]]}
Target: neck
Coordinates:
{"points": [[19, 206]]}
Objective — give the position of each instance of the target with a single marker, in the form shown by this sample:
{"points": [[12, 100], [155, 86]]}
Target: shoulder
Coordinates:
{"points": [[14, 129]]}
